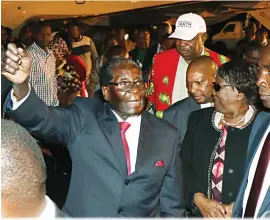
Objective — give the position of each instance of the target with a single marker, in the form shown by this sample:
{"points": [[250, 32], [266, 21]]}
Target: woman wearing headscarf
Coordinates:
{"points": [[214, 149]]}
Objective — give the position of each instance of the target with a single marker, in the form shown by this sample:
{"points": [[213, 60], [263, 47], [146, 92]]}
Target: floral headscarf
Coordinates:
{"points": [[67, 78]]}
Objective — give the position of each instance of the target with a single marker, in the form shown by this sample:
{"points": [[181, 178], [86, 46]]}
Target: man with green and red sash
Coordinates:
{"points": [[168, 79]]}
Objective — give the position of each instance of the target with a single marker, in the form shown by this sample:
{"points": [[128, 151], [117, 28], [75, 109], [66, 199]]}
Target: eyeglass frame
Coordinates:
{"points": [[217, 87], [132, 83]]}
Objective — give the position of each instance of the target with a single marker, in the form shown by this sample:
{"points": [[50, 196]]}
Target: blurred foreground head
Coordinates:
{"points": [[23, 173]]}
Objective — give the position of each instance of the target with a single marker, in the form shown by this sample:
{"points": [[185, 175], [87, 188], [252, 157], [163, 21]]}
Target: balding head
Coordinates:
{"points": [[263, 81], [200, 76], [23, 172]]}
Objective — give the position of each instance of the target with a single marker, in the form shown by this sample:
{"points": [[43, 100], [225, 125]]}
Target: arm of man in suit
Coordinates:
{"points": [[57, 125], [171, 195]]}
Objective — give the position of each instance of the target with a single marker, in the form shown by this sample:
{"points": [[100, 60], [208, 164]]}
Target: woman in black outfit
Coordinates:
{"points": [[215, 146]]}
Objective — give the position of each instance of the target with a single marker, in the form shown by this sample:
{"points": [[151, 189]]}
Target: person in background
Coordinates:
{"points": [[101, 138], [23, 176], [82, 46], [252, 52], [130, 43], [167, 43], [142, 45], [25, 36], [93, 85], [4, 40], [201, 74], [120, 36], [167, 83], [250, 35], [262, 37], [69, 84], [59, 48], [215, 146], [163, 29], [42, 77], [253, 199], [117, 51]]}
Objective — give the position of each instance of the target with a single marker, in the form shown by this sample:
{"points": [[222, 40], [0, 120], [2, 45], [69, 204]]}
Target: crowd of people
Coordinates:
{"points": [[163, 129]]}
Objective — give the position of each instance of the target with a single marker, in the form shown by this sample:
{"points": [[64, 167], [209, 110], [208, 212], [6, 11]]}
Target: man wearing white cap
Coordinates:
{"points": [[168, 79]]}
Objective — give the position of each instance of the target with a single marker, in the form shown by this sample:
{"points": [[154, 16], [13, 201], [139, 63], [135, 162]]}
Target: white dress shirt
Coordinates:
{"points": [[132, 136], [252, 170], [179, 88], [50, 210], [207, 105]]}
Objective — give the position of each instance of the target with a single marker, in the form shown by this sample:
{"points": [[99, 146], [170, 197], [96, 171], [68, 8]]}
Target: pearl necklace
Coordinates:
{"points": [[232, 124]]}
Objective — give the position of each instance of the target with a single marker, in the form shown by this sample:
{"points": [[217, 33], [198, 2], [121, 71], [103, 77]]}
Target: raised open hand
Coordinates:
{"points": [[16, 64]]}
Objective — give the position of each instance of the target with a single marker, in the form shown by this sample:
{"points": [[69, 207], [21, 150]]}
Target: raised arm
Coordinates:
{"points": [[53, 125]]}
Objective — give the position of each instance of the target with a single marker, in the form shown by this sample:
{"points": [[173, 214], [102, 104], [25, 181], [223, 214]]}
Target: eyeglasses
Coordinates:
{"points": [[217, 87], [127, 85]]}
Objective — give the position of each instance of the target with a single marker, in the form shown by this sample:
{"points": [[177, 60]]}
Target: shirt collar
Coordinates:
{"points": [[207, 105], [131, 120], [50, 210], [182, 58], [46, 52]]}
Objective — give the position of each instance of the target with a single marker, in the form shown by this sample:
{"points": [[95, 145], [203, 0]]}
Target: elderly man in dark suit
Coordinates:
{"points": [[126, 162], [253, 199], [200, 76], [23, 176]]}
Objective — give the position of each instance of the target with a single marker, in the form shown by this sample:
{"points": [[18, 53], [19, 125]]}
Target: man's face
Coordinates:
{"points": [[261, 38], [263, 79], [199, 85], [44, 37], [126, 102], [4, 36], [162, 30], [250, 34], [25, 36], [190, 49], [74, 32], [252, 56], [143, 39]]}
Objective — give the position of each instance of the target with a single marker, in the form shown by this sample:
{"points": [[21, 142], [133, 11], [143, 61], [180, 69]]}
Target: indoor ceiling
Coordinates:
{"points": [[15, 13]]}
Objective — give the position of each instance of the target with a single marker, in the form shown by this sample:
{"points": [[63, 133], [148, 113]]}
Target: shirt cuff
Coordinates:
{"points": [[15, 104]]}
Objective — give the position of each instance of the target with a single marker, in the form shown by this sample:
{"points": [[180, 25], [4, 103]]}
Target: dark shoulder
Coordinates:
{"points": [[88, 104], [263, 116], [202, 114], [178, 105], [158, 123]]}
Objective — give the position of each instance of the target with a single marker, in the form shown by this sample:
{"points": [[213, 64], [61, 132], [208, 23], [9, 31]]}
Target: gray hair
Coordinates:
{"points": [[106, 71], [23, 170]]}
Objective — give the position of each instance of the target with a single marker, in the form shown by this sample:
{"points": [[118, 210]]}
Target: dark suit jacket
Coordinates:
{"points": [[5, 88], [260, 126], [179, 112], [100, 186]]}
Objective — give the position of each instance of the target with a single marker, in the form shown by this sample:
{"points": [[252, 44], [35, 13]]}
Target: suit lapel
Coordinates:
{"points": [[144, 148], [109, 124]]}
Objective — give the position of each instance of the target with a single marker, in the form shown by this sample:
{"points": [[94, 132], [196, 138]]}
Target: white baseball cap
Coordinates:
{"points": [[188, 26]]}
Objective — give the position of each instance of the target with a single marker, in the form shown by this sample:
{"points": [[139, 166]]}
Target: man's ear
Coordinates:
{"points": [[106, 93], [240, 96]]}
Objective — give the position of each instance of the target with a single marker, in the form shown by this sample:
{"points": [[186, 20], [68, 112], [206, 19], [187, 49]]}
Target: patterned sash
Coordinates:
{"points": [[218, 168]]}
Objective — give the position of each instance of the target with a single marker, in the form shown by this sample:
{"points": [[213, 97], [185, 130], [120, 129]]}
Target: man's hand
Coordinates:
{"points": [[209, 208], [16, 67]]}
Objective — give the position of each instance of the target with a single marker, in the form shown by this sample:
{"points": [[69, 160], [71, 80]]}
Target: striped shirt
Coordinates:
{"points": [[42, 76]]}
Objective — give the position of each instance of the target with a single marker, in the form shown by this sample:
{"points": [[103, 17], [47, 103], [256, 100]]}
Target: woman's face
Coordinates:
{"points": [[226, 98]]}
